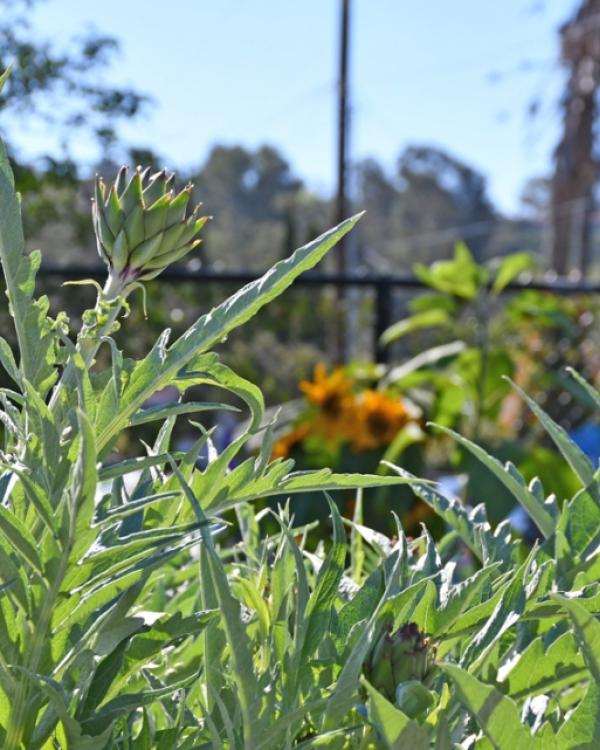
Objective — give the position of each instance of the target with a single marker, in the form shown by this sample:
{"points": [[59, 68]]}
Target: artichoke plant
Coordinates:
{"points": [[399, 657], [142, 225]]}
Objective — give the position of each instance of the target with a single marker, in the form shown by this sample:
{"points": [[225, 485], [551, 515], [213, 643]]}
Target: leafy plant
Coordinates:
{"points": [[468, 390], [87, 540], [475, 342], [333, 652]]}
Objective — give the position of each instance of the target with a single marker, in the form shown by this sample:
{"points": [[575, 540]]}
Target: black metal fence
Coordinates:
{"points": [[382, 286]]}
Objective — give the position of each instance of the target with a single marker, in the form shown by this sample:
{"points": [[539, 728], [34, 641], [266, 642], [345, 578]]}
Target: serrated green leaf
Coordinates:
{"points": [[29, 315], [541, 668], [496, 714], [322, 599], [128, 703], [36, 496], [510, 267], [7, 360], [506, 613], [460, 597], [418, 321], [20, 539], [76, 736], [327, 481], [156, 413], [394, 727], [243, 672], [519, 490], [581, 730], [208, 370], [84, 489], [575, 457], [162, 365], [587, 632]]}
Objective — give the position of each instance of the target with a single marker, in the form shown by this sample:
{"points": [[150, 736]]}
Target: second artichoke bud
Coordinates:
{"points": [[398, 657], [142, 225]]}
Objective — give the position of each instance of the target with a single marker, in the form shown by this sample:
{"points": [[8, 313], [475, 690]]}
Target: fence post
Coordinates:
{"points": [[383, 317]]}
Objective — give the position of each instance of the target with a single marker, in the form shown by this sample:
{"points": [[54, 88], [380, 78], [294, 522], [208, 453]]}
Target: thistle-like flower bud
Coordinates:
{"points": [[142, 225], [397, 657]]}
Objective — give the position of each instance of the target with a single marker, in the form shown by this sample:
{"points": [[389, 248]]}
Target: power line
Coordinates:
{"points": [[297, 102]]}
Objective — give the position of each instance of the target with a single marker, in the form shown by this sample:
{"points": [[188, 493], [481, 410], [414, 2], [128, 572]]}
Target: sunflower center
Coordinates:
{"points": [[332, 405]]}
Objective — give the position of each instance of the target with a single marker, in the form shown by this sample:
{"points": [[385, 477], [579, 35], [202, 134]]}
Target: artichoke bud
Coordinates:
{"points": [[132, 195], [413, 698], [399, 657], [134, 226], [145, 252], [382, 678], [120, 252], [178, 206], [156, 188], [142, 225], [171, 238], [155, 217], [112, 212], [121, 180]]}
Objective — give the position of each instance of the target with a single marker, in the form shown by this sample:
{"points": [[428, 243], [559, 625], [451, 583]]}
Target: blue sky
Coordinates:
{"points": [[459, 74]]}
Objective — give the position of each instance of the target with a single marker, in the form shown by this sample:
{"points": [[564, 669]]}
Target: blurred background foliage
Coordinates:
{"points": [[453, 356]]}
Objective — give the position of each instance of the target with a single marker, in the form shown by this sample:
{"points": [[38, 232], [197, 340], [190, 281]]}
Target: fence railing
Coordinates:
{"points": [[382, 286]]}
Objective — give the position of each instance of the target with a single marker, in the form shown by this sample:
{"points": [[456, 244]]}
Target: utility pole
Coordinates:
{"points": [[341, 202]]}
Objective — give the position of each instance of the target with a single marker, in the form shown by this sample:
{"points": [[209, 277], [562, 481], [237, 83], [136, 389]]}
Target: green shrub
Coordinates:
{"points": [[85, 643]]}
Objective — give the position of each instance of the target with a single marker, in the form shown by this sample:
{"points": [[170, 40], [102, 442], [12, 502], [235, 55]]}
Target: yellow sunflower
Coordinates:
{"points": [[293, 439], [332, 395], [378, 420]]}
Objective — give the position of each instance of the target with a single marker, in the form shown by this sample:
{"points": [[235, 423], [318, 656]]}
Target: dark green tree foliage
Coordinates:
{"points": [[64, 88], [252, 182], [44, 74], [259, 205], [433, 200], [455, 192]]}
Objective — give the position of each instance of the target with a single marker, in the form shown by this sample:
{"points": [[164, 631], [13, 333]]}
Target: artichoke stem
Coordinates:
{"points": [[114, 287], [108, 307]]}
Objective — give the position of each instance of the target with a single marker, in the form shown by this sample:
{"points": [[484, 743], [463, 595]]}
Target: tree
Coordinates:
{"points": [[535, 198], [259, 206], [444, 200], [64, 88], [576, 165], [433, 200], [45, 75], [378, 194]]}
